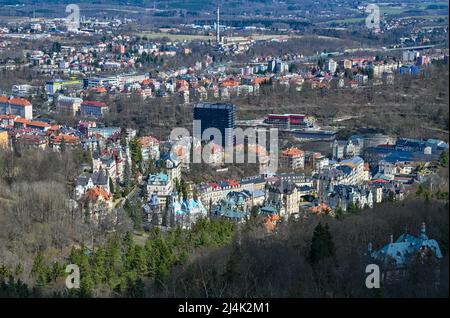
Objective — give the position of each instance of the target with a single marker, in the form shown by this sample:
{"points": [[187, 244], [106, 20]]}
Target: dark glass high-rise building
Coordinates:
{"points": [[217, 115]]}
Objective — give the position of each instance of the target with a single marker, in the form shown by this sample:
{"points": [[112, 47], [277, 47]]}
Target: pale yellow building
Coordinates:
{"points": [[3, 139]]}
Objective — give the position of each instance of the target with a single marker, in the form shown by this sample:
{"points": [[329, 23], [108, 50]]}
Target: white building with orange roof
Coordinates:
{"points": [[16, 106], [68, 140], [293, 158], [97, 198], [149, 147]]}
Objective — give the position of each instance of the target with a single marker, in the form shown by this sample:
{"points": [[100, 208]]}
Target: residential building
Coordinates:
{"points": [[293, 158], [347, 148], [361, 79], [161, 184], [24, 90], [285, 197], [88, 181], [68, 105], [356, 164], [149, 148], [341, 196], [3, 138], [332, 66], [93, 109], [410, 56], [16, 106]]}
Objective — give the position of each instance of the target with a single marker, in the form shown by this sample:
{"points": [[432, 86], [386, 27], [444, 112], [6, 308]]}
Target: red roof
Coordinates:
{"points": [[15, 101], [379, 180], [93, 103]]}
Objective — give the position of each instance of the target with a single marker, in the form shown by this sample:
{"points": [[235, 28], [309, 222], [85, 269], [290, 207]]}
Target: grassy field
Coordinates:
{"points": [[393, 11], [198, 37], [176, 37]]}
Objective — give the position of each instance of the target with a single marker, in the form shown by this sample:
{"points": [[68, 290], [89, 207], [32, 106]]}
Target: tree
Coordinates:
{"points": [[111, 185], [339, 212], [56, 47], [443, 159], [349, 73], [352, 208], [63, 145], [136, 155], [321, 63], [39, 270], [126, 176], [145, 194], [322, 245], [135, 289]]}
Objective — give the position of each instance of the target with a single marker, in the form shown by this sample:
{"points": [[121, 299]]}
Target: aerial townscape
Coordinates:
{"points": [[224, 149]]}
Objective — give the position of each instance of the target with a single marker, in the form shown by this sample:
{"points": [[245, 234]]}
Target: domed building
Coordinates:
{"points": [[185, 211]]}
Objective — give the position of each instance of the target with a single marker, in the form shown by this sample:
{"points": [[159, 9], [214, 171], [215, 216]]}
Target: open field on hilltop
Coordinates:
{"points": [[402, 12], [202, 37], [175, 37]]}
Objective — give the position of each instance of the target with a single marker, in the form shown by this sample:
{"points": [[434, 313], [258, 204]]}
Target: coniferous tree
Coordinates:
{"points": [[111, 185], [322, 245]]}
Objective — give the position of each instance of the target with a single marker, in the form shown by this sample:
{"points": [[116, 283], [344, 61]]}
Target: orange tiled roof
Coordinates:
{"points": [[67, 138], [320, 208], [8, 116], [260, 80], [257, 149], [233, 182], [15, 101], [146, 141], [95, 193], [19, 101], [270, 222], [230, 83], [100, 90], [180, 150], [21, 120], [293, 151], [38, 124]]}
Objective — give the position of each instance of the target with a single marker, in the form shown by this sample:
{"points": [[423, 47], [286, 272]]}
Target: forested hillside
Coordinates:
{"points": [[315, 257]]}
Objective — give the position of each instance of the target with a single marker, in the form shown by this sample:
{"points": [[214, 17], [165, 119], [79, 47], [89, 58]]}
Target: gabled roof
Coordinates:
{"points": [[401, 252], [96, 193]]}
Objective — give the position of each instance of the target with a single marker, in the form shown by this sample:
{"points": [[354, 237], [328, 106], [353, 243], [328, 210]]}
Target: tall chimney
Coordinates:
{"points": [[218, 26]]}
